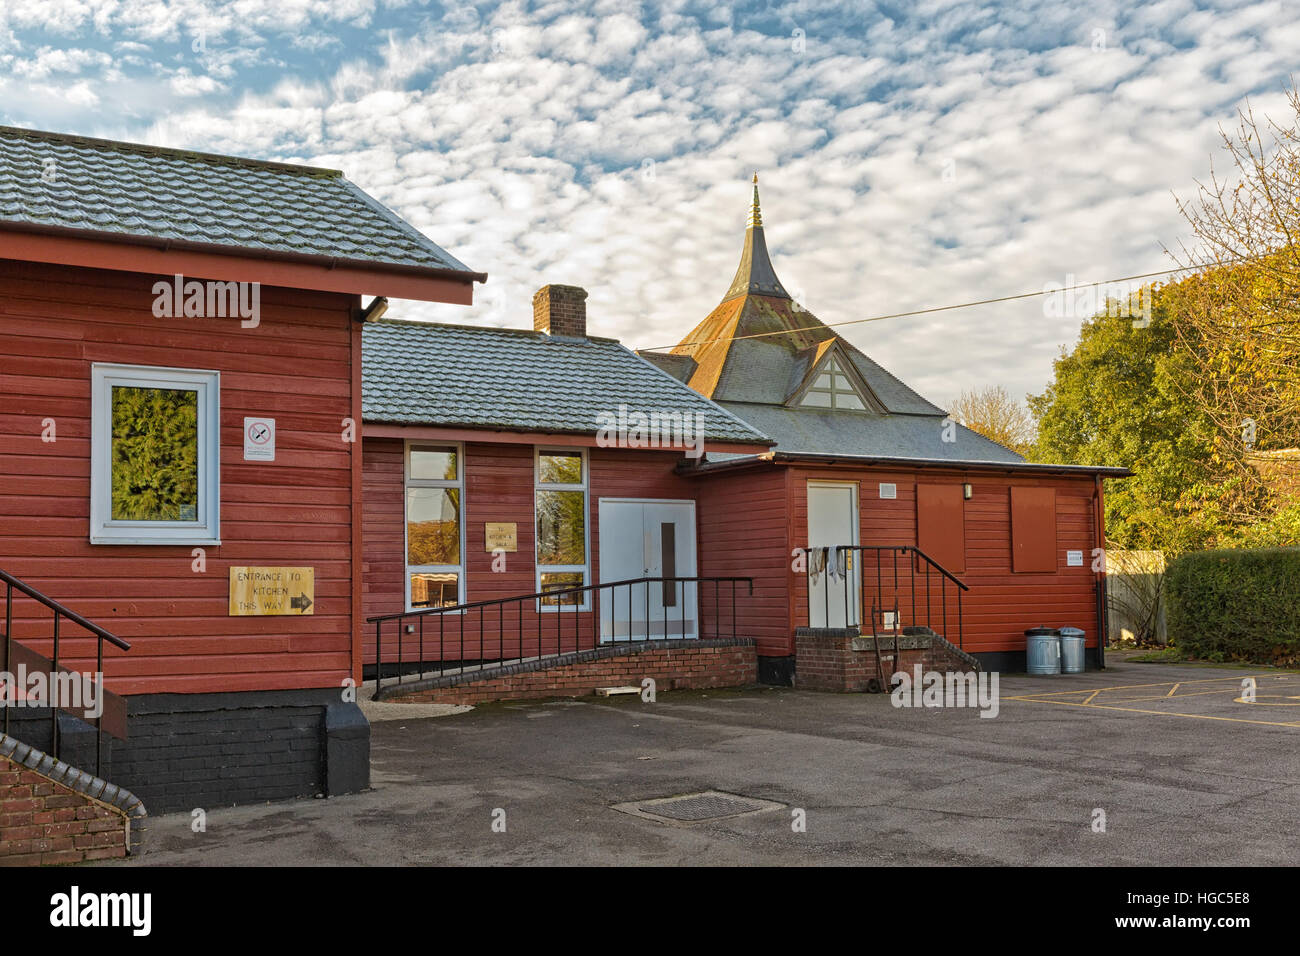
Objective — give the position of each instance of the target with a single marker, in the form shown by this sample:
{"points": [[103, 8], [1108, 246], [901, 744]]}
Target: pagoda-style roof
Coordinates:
{"points": [[758, 343], [770, 361]]}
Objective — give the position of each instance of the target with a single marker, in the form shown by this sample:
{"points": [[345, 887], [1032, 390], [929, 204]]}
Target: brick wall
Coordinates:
{"points": [[44, 822], [560, 310], [674, 665], [839, 659]]}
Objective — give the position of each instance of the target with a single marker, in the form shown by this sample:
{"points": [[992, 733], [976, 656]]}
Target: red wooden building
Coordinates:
{"points": [[496, 469], [863, 462], [940, 528], [180, 403]]}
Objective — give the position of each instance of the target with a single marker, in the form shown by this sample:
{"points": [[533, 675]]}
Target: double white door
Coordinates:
{"points": [[647, 538]]}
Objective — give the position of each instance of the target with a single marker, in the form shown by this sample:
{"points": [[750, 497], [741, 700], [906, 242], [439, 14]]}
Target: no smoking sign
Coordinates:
{"points": [[259, 439]]}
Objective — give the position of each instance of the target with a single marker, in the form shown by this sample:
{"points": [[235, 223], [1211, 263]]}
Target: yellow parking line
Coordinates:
{"points": [[1161, 713], [1091, 696], [1198, 693], [1172, 689], [1163, 683]]}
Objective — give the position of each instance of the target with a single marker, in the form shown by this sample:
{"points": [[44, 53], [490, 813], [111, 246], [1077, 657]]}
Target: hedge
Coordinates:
{"points": [[1237, 605]]}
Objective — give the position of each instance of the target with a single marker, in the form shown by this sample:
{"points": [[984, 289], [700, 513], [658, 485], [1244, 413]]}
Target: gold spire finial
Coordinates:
{"points": [[755, 216]]}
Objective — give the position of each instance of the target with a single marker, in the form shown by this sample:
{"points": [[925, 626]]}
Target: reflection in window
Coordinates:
{"points": [[155, 454], [561, 527], [558, 580], [435, 568], [432, 526], [435, 590], [559, 468], [561, 503]]}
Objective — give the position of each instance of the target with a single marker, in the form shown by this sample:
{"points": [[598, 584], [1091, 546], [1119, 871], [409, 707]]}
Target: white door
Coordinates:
{"points": [[833, 520], [645, 538]]}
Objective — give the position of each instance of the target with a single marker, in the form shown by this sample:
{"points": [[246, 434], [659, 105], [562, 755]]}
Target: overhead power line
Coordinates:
{"points": [[937, 308]]}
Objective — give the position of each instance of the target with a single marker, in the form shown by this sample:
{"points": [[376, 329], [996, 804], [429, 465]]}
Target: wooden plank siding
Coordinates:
{"points": [[499, 480], [745, 531], [298, 366], [1001, 603]]}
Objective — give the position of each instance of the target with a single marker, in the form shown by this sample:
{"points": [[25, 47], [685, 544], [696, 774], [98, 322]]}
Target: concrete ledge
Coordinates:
{"points": [[604, 651], [670, 664]]}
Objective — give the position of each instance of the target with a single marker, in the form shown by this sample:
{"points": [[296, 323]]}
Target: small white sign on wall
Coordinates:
{"points": [[259, 439], [888, 490], [1074, 559]]}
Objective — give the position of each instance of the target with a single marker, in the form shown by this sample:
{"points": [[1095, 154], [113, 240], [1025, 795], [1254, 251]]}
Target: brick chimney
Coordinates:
{"points": [[560, 310]]}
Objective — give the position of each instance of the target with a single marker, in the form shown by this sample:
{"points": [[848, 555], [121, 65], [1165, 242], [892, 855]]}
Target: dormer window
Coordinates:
{"points": [[833, 388]]}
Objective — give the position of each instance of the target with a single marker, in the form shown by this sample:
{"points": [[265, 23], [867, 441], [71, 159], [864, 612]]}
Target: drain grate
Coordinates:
{"points": [[689, 808]]}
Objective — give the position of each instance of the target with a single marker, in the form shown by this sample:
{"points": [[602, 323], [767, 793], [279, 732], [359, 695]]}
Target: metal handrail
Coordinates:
{"points": [[71, 615], [878, 603], [458, 642], [101, 635]]}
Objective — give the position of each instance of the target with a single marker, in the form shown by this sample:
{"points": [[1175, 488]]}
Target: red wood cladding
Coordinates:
{"points": [[298, 366], [748, 522], [1033, 529], [744, 530], [499, 481], [941, 525], [1001, 603]]}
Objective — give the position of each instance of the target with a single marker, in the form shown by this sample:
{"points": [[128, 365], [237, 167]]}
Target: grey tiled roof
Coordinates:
{"points": [[811, 431], [419, 373], [125, 189]]}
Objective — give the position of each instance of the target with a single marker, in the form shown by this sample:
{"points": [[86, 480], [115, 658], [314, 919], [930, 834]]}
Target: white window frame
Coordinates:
{"points": [[583, 486], [206, 529], [408, 482], [833, 367]]}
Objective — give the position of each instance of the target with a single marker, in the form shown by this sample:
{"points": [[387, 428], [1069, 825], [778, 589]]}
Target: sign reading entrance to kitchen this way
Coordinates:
{"points": [[501, 535], [269, 591], [259, 439]]}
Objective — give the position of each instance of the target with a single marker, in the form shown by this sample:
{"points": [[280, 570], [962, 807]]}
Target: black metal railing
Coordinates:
{"points": [[906, 588], [15, 653], [554, 621]]}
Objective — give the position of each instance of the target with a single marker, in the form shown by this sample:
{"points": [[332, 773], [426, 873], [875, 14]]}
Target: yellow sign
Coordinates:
{"points": [[264, 591], [502, 535]]}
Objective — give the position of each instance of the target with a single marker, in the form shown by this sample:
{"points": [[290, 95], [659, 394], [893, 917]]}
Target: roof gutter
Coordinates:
{"points": [[243, 252], [792, 458]]}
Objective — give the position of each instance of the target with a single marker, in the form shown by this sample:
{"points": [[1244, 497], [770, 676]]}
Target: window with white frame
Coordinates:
{"points": [[435, 526], [155, 447], [560, 494], [833, 388]]}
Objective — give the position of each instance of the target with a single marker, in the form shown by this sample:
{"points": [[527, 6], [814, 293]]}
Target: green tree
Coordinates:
{"points": [[1116, 400]]}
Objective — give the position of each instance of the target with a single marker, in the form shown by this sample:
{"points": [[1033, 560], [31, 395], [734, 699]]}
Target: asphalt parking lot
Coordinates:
{"points": [[1185, 767]]}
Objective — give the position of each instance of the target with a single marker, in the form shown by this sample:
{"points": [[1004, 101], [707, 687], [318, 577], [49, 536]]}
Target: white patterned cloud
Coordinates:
{"points": [[908, 158]]}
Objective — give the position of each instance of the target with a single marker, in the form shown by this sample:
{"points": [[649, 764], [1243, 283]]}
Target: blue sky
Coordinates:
{"points": [[910, 154]]}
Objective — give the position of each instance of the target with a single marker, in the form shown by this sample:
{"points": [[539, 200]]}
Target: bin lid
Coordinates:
{"points": [[1072, 632], [1042, 632]]}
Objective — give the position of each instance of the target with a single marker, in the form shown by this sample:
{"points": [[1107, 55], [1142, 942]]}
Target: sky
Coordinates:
{"points": [[910, 155]]}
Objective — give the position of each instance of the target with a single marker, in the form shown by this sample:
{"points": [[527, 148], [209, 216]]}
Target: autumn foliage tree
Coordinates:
{"points": [[1237, 316], [993, 413]]}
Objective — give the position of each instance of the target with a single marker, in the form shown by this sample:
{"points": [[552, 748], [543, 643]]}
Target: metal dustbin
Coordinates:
{"points": [[1071, 650], [1043, 650]]}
